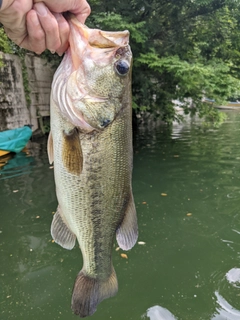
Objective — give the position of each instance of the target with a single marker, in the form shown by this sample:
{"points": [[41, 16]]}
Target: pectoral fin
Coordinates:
{"points": [[50, 148], [72, 152], [61, 233], [127, 233]]}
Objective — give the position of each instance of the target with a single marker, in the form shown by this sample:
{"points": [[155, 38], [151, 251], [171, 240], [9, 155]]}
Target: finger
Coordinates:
{"points": [[35, 40], [64, 31], [12, 16], [83, 11], [16, 36], [80, 8], [49, 25]]}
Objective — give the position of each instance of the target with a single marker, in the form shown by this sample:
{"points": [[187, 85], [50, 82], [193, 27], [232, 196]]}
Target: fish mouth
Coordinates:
{"points": [[74, 97], [82, 37], [98, 38]]}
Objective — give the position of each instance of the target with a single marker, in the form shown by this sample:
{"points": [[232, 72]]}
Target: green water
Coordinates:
{"points": [[186, 183]]}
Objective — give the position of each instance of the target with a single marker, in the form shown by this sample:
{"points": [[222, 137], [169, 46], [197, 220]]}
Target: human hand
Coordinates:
{"points": [[39, 25]]}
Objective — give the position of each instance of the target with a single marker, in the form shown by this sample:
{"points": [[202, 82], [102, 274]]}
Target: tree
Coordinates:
{"points": [[183, 50]]}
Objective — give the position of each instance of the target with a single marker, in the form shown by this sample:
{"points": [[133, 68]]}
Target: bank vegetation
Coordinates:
{"points": [[183, 50]]}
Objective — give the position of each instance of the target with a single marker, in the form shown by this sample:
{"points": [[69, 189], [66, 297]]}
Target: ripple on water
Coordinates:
{"points": [[159, 313], [225, 311], [233, 277], [17, 165], [222, 281], [226, 283]]}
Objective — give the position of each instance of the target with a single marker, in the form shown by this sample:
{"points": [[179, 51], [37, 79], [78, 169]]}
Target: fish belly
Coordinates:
{"points": [[95, 201]]}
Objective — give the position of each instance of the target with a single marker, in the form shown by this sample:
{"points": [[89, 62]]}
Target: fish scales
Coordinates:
{"points": [[91, 146]]}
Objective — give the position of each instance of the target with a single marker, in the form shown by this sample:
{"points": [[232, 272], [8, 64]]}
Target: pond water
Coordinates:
{"points": [[186, 184]]}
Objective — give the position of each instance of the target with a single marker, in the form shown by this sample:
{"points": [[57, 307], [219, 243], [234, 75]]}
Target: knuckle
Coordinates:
{"points": [[51, 26], [54, 46], [64, 28], [37, 49], [39, 35], [88, 9]]}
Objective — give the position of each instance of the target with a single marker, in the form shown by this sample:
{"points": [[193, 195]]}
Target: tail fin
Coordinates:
{"points": [[89, 292]]}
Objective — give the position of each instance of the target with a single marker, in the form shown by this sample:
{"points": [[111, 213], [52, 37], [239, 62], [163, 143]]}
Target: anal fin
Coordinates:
{"points": [[60, 232], [127, 233]]}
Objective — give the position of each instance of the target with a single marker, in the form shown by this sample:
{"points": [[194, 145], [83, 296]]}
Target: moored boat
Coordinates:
{"points": [[234, 104], [14, 140], [228, 105]]}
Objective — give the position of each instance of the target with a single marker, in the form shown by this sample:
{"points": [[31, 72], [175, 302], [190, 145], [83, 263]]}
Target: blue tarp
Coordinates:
{"points": [[16, 139]]}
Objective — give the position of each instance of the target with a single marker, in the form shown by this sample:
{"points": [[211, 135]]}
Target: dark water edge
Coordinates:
{"points": [[186, 183]]}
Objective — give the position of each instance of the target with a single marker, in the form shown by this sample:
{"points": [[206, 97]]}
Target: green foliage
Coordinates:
{"points": [[27, 91], [113, 22], [53, 59], [212, 117], [191, 80], [5, 43], [44, 124], [7, 46], [183, 50]]}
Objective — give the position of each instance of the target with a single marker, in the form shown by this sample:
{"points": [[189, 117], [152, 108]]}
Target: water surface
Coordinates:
{"points": [[186, 183]]}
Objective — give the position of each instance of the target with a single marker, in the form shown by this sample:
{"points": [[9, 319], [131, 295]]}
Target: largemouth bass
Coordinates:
{"points": [[91, 146]]}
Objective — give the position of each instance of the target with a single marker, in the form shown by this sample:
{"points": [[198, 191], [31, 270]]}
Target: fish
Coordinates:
{"points": [[90, 144]]}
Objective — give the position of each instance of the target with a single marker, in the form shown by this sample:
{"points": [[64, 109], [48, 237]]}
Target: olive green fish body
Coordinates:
{"points": [[91, 146]]}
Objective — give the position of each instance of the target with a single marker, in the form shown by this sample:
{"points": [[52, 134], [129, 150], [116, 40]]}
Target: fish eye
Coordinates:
{"points": [[122, 67]]}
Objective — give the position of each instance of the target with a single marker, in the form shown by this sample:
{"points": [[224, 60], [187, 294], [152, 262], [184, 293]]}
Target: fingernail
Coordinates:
{"points": [[52, 51], [60, 54], [41, 9]]}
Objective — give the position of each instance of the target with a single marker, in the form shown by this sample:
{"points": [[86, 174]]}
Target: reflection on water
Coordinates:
{"points": [[233, 277], [225, 311], [186, 184], [18, 164], [160, 313]]}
